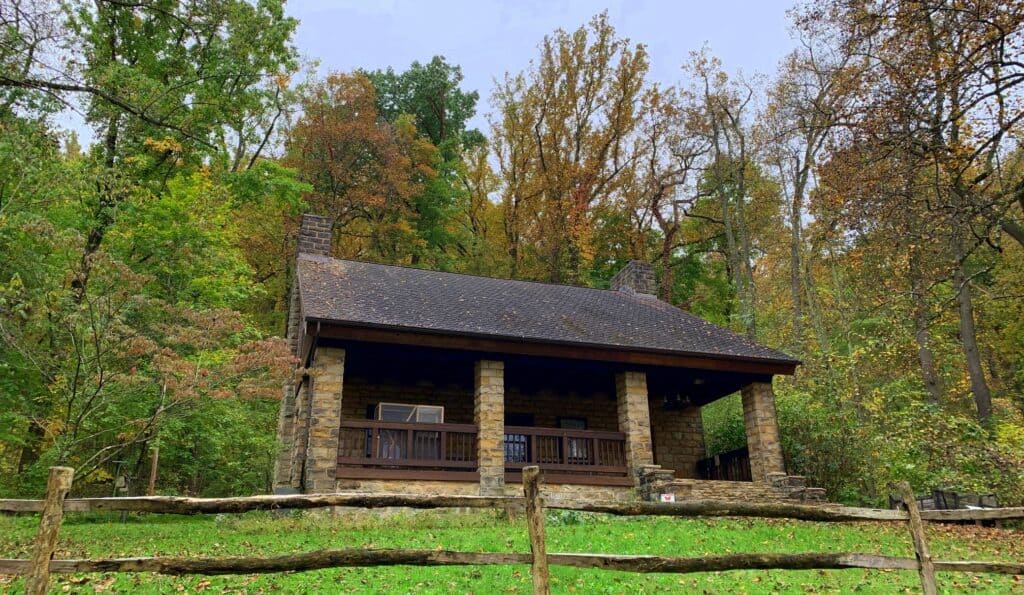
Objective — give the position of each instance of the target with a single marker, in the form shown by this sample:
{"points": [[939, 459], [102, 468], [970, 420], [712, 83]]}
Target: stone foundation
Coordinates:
{"points": [[405, 486], [569, 492]]}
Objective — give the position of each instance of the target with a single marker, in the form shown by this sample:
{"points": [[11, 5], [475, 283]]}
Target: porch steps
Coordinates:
{"points": [[779, 487]]}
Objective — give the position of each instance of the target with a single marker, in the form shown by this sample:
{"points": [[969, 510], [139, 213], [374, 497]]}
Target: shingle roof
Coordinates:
{"points": [[413, 299]]}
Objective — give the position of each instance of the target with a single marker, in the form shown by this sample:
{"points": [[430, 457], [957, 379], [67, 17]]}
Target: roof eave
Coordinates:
{"points": [[362, 331]]}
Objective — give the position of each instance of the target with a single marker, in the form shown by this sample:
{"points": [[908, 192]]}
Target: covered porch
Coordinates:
{"points": [[423, 414]]}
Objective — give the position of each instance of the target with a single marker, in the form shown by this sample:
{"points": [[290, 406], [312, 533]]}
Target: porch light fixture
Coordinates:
{"points": [[675, 402]]}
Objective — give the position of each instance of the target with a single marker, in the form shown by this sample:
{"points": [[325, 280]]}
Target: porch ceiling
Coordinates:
{"points": [[411, 364]]}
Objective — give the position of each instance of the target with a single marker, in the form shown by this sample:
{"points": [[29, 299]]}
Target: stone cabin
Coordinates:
{"points": [[429, 382]]}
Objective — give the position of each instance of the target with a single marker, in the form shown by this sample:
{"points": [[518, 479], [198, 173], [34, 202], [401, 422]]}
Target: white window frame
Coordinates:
{"points": [[414, 413]]}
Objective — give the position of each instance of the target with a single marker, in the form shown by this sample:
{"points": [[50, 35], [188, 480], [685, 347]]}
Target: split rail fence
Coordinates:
{"points": [[42, 564]]}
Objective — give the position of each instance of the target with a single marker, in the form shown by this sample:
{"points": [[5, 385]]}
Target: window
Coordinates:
{"points": [[579, 448], [425, 414], [517, 446], [394, 443]]}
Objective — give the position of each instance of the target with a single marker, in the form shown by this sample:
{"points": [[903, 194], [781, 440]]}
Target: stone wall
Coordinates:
{"points": [[696, 489], [678, 437], [362, 394], [286, 413], [760, 419], [300, 435], [406, 486], [597, 408], [465, 488]]}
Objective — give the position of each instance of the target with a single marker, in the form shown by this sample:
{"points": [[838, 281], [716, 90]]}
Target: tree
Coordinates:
{"points": [[723, 116], [938, 90], [803, 112], [561, 142], [365, 172], [185, 99], [430, 93]]}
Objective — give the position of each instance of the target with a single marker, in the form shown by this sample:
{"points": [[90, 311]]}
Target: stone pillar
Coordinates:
{"points": [[327, 375], [762, 425], [634, 420], [489, 417]]}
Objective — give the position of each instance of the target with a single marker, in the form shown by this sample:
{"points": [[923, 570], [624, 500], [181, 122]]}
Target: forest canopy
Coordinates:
{"points": [[861, 207]]}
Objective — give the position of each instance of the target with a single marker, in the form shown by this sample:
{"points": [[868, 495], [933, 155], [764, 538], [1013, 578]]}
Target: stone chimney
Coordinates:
{"points": [[315, 234], [636, 277]]}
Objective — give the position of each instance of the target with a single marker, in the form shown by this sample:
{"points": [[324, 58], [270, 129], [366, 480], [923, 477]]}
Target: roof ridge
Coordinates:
{"points": [[318, 257]]}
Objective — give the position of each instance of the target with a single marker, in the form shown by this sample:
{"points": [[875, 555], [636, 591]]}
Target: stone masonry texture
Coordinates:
{"points": [[637, 276], [328, 373], [551, 492], [286, 416], [489, 416], [634, 420], [315, 234], [300, 435], [762, 426], [678, 437]]}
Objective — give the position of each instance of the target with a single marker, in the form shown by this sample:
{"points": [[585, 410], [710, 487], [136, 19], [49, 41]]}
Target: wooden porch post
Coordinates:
{"points": [[634, 420], [762, 426], [326, 375], [489, 417]]}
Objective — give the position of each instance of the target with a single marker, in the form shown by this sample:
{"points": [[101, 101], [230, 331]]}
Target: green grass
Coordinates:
{"points": [[265, 534]]}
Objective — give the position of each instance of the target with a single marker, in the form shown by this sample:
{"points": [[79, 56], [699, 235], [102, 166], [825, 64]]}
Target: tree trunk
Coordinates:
{"points": [[922, 333], [667, 274], [795, 225], [969, 341], [153, 466]]}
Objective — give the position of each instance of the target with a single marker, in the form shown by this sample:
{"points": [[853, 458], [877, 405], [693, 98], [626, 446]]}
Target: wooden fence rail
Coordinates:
{"points": [[689, 508], [41, 565]]}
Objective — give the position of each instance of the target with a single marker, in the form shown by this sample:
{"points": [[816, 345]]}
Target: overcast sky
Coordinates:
{"points": [[491, 37]]}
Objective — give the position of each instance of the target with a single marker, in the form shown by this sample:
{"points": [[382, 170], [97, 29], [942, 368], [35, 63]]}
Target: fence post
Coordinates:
{"points": [[57, 487], [535, 525], [924, 559]]}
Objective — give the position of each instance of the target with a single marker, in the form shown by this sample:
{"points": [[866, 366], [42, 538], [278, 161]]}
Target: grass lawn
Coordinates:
{"points": [[262, 533]]}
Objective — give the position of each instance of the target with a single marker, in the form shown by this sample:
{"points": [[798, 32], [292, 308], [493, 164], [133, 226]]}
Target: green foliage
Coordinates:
{"points": [[139, 275], [430, 93], [723, 425]]}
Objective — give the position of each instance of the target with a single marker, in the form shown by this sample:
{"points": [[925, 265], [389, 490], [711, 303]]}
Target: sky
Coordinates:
{"points": [[488, 38]]}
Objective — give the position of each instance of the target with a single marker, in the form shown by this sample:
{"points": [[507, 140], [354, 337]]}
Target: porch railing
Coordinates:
{"points": [[370, 449], [569, 456], [727, 466]]}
